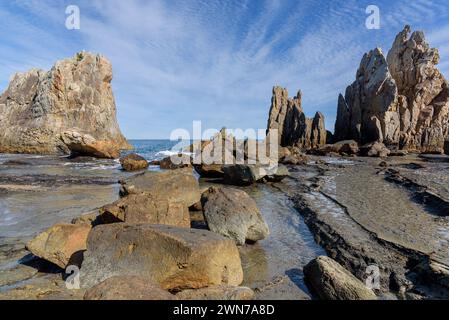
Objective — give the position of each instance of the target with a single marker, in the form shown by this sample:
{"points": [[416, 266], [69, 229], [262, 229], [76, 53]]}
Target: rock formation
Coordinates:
{"points": [[401, 100], [38, 106], [294, 128]]}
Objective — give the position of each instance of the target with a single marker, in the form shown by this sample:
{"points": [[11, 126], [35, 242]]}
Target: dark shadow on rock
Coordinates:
{"points": [[41, 265]]}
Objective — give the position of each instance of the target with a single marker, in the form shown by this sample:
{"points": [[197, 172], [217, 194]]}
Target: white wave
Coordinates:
{"points": [[169, 153]]}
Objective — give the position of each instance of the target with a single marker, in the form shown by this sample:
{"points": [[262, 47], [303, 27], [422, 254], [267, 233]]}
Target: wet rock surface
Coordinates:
{"points": [[342, 207]]}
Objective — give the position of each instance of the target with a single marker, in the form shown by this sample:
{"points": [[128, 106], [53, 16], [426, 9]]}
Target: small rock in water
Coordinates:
{"points": [[133, 162]]}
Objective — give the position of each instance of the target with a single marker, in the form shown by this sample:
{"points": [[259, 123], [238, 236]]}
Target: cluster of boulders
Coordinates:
{"points": [[143, 247], [69, 109], [401, 100]]}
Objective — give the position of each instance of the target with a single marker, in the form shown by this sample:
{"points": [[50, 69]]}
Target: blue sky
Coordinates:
{"points": [[213, 60]]}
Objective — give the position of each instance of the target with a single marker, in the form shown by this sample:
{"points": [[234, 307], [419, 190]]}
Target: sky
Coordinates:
{"points": [[215, 61]]}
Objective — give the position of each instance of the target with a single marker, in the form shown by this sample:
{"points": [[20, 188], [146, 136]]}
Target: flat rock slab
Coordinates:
{"points": [[145, 208], [387, 210], [171, 257], [176, 185]]}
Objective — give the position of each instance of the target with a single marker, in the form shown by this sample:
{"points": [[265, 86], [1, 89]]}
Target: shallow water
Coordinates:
{"points": [[274, 265]]}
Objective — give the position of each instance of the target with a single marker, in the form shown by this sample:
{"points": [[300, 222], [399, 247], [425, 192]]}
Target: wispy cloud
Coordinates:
{"points": [[211, 60]]}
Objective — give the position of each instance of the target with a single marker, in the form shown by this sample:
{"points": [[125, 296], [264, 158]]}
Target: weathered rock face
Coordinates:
{"points": [[127, 288], [222, 292], [38, 106], [330, 281], [176, 185], [145, 208], [173, 258], [401, 100], [233, 214], [370, 101], [60, 243], [133, 162], [294, 128]]}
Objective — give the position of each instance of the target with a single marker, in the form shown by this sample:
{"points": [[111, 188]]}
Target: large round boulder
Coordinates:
{"points": [[233, 214], [170, 257]]}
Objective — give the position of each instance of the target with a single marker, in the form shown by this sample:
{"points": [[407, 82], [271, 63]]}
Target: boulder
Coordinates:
{"points": [[176, 185], [293, 127], [401, 101], [127, 288], [348, 147], [86, 145], [168, 164], [245, 175], [222, 292], [146, 208], [76, 94], [62, 244], [330, 281], [170, 257], [209, 170], [92, 218], [375, 149], [133, 162], [233, 214]]}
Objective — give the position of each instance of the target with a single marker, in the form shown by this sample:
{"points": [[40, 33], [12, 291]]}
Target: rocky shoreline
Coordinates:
{"points": [[304, 214]]}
